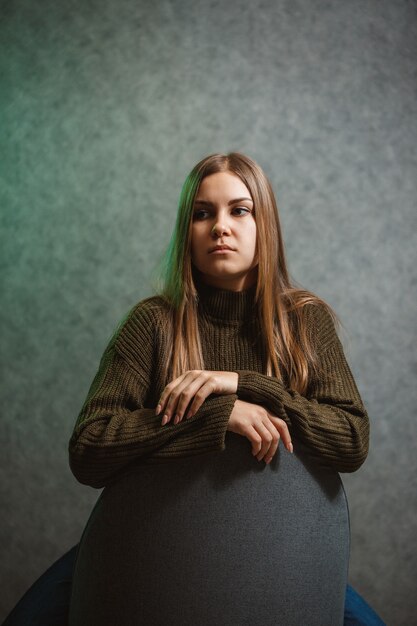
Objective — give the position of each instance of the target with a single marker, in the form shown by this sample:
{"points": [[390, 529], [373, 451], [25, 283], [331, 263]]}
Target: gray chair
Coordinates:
{"points": [[218, 539]]}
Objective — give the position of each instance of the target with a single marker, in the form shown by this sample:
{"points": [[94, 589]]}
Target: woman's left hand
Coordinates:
{"points": [[197, 384]]}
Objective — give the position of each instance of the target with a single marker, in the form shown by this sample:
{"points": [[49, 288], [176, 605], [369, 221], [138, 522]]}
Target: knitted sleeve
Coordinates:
{"points": [[332, 421], [115, 429]]}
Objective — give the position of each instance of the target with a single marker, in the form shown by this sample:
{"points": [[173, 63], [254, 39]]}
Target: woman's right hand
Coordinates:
{"points": [[263, 429]]}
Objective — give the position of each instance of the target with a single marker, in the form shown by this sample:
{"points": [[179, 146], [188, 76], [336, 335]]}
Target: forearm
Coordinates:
{"points": [[103, 449], [115, 430], [333, 422], [206, 432]]}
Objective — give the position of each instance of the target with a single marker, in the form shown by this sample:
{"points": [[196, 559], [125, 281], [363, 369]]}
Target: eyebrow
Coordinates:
{"points": [[207, 203]]}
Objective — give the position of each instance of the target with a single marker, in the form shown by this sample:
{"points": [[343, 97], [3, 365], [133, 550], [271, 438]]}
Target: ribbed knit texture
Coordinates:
{"points": [[117, 426]]}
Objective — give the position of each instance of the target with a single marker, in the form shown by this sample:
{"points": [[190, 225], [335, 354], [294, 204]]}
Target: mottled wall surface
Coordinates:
{"points": [[105, 107]]}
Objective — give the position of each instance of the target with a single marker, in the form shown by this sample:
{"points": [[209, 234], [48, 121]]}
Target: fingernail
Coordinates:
{"points": [[188, 415], [290, 448], [164, 420], [177, 419], [158, 409]]}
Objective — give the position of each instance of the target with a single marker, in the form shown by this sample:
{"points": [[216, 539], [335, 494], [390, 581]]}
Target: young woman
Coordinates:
{"points": [[205, 518]]}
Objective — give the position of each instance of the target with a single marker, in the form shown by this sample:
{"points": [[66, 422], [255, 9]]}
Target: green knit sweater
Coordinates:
{"points": [[117, 427]]}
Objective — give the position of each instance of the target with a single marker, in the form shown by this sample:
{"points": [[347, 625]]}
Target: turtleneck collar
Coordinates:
{"points": [[226, 304]]}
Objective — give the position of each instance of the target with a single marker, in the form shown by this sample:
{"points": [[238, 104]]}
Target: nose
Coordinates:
{"points": [[220, 228]]}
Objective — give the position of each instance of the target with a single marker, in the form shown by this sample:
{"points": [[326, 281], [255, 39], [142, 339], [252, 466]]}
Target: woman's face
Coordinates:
{"points": [[223, 214]]}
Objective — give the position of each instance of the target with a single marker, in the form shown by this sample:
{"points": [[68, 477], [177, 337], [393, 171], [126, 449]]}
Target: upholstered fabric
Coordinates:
{"points": [[215, 540]]}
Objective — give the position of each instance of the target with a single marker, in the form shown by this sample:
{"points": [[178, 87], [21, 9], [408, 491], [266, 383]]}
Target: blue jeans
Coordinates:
{"points": [[46, 603]]}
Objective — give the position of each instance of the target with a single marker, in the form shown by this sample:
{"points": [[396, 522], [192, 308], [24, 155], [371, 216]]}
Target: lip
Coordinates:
{"points": [[222, 251], [220, 248]]}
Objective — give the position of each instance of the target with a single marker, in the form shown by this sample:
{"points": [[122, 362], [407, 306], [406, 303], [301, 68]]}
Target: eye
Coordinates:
{"points": [[242, 208], [199, 214]]}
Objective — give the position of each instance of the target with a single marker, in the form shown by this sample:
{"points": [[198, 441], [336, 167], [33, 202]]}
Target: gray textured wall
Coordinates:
{"points": [[105, 107]]}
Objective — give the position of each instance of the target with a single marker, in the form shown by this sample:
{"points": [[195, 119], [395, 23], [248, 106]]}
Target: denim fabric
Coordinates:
{"points": [[358, 612], [210, 539], [46, 603]]}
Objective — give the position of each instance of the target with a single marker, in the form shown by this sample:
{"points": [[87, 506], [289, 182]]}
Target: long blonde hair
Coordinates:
{"points": [[279, 301]]}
